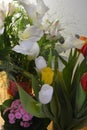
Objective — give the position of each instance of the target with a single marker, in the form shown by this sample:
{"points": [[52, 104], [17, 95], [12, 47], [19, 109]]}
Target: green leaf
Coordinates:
{"points": [[68, 70], [50, 59], [78, 123], [81, 96], [30, 104], [65, 115]]}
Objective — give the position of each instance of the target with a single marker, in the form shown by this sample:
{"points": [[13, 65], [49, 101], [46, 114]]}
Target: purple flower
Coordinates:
{"points": [[11, 116], [11, 121], [30, 116], [26, 117], [12, 111], [26, 124], [15, 103], [22, 111], [18, 115]]}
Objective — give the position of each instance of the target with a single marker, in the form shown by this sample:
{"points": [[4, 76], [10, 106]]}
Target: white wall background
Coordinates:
{"points": [[71, 13]]}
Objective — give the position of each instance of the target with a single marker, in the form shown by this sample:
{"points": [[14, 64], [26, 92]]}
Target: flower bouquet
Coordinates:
{"points": [[47, 72]]}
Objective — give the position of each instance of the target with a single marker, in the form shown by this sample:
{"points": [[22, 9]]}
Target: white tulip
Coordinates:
{"points": [[40, 63], [45, 94]]}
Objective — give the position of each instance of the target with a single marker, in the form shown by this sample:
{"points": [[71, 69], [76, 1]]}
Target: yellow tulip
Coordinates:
{"points": [[47, 75]]}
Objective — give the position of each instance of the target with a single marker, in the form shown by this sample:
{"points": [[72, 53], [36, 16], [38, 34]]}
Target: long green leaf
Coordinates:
{"points": [[30, 104]]}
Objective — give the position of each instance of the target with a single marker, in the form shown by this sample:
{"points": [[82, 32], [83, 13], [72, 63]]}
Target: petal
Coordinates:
{"points": [[24, 47], [31, 32], [34, 51], [41, 7]]}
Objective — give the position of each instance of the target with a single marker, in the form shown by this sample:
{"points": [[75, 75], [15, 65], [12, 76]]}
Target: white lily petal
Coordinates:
{"points": [[27, 44], [34, 51], [19, 49], [24, 47], [41, 7], [40, 63], [45, 94], [31, 32]]}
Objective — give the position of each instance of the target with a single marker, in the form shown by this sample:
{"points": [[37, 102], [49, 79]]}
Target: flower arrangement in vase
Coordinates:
{"points": [[45, 76]]}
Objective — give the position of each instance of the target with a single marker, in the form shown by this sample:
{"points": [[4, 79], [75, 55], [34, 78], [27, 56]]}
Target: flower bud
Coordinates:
{"points": [[45, 94], [40, 63]]}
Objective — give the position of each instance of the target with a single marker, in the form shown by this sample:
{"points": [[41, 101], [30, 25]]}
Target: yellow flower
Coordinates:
{"points": [[47, 75]]}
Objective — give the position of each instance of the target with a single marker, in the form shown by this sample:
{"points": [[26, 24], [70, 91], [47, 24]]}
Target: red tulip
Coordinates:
{"points": [[84, 81], [83, 50]]}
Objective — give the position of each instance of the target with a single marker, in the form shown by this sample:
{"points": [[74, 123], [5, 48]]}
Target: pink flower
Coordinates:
{"points": [[11, 116], [11, 121], [15, 103], [12, 111], [26, 124], [18, 115], [25, 117], [22, 111], [30, 116]]}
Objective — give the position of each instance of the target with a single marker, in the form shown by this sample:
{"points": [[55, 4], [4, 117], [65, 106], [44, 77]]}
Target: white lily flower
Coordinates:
{"points": [[35, 11], [70, 42], [45, 94], [40, 63], [28, 47], [31, 32]]}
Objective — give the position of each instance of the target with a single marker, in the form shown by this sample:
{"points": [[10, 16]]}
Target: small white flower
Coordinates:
{"points": [[45, 94], [40, 63]]}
